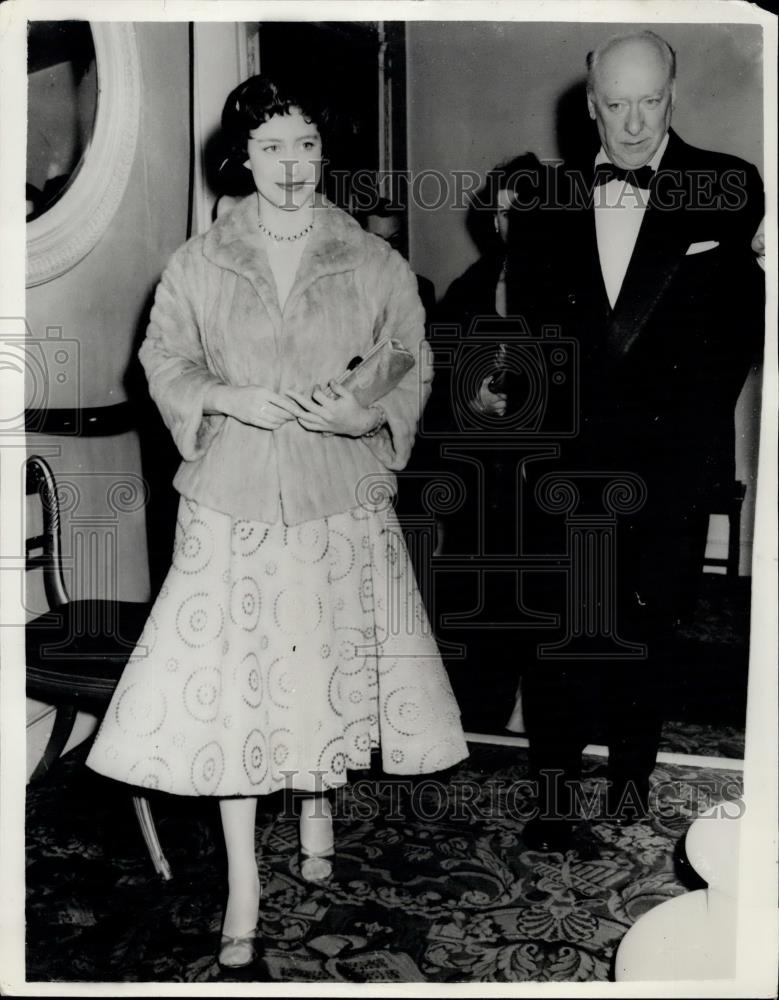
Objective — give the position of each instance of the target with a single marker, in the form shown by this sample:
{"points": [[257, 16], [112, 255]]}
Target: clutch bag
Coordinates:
{"points": [[373, 376]]}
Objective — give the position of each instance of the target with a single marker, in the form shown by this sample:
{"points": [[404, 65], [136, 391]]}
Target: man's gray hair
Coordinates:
{"points": [[665, 50]]}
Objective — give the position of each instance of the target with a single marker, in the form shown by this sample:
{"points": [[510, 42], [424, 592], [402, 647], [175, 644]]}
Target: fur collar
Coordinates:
{"points": [[336, 243]]}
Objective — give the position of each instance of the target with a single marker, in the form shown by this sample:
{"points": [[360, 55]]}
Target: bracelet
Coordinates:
{"points": [[382, 420]]}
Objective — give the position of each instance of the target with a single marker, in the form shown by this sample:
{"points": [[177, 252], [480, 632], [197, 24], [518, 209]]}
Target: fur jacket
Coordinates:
{"points": [[216, 319]]}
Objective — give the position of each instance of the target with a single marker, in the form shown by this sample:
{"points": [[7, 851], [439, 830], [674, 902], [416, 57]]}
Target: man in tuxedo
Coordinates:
{"points": [[649, 267]]}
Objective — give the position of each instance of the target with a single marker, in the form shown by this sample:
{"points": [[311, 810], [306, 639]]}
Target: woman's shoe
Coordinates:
{"points": [[238, 952], [316, 867], [317, 844]]}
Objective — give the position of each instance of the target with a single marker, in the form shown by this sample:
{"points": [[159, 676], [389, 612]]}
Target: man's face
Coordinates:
{"points": [[388, 227], [502, 214], [631, 100]]}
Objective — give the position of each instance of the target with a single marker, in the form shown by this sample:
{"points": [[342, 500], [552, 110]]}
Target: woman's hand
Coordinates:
{"points": [[250, 404], [487, 401], [343, 415]]}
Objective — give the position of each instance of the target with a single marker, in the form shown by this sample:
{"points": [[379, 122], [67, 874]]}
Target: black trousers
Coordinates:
{"points": [[619, 702]]}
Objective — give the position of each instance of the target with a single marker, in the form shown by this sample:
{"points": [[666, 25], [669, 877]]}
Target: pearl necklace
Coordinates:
{"points": [[280, 238]]}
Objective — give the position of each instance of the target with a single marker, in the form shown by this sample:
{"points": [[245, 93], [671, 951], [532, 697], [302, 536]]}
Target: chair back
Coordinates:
{"points": [[40, 480]]}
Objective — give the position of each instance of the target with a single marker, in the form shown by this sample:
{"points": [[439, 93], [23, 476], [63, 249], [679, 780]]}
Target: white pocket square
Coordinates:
{"points": [[701, 247]]}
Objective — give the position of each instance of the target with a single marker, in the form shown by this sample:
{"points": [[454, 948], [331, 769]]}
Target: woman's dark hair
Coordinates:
{"points": [[523, 176], [253, 102], [526, 177]]}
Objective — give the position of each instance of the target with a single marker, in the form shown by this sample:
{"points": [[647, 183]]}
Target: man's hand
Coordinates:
{"points": [[250, 404], [343, 415], [487, 401]]}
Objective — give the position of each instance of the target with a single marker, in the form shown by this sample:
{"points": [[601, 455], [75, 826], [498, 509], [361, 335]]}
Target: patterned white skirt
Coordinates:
{"points": [[279, 657]]}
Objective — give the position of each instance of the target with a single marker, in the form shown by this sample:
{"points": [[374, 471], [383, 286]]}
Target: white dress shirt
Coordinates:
{"points": [[619, 212]]}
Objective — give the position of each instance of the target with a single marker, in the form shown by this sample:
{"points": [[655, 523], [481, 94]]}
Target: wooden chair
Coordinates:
{"points": [[77, 650]]}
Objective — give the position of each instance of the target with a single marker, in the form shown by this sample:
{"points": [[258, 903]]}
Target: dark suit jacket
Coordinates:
{"points": [[661, 372], [472, 295]]}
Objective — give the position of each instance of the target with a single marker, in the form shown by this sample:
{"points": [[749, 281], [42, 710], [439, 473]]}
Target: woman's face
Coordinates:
{"points": [[502, 214], [285, 158]]}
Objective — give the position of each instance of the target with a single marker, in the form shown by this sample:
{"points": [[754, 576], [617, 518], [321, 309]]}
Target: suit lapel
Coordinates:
{"points": [[659, 250]]}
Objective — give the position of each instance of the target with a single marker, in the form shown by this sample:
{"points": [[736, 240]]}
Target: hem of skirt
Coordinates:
{"points": [[331, 784], [222, 793], [389, 768]]}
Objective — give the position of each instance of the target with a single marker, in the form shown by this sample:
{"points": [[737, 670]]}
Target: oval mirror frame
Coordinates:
{"points": [[65, 234]]}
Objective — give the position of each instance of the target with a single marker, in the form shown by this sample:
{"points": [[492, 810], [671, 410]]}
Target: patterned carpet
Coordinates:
{"points": [[703, 740], [432, 884]]}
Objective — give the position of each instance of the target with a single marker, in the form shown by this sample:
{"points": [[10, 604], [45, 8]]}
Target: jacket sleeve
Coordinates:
{"points": [[175, 363], [401, 316]]}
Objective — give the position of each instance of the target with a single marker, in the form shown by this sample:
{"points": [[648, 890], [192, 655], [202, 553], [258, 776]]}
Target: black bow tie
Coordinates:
{"points": [[640, 178]]}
